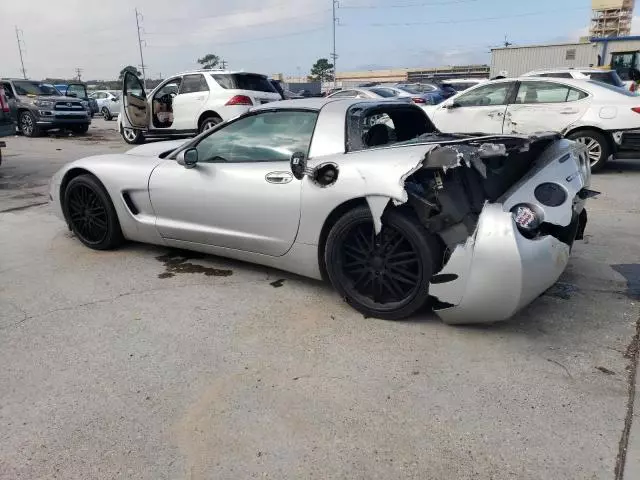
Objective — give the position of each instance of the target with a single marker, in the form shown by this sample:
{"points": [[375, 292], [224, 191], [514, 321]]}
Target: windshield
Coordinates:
{"points": [[611, 78], [26, 87], [244, 81]]}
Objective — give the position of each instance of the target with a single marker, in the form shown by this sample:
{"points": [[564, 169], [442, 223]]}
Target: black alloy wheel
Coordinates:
{"points": [[386, 275], [28, 125], [91, 214]]}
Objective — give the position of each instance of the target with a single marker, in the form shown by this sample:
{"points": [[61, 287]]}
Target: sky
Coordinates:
{"points": [[272, 36]]}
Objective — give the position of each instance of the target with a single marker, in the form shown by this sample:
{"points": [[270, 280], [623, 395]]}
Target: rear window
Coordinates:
{"points": [[621, 90], [610, 78], [244, 81]]}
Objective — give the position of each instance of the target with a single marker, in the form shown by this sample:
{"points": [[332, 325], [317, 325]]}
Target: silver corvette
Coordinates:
{"points": [[367, 194]]}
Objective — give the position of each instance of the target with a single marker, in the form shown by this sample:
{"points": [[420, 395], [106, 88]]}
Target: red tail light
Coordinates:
{"points": [[633, 87], [636, 109], [4, 103], [418, 100], [240, 100]]}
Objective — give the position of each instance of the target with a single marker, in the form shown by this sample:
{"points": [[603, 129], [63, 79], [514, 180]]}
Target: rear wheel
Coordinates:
{"points": [[208, 123], [91, 214], [387, 275], [106, 114], [132, 136], [28, 125], [598, 149]]}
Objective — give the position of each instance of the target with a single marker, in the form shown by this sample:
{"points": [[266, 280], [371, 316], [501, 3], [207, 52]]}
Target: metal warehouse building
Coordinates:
{"points": [[516, 60]]}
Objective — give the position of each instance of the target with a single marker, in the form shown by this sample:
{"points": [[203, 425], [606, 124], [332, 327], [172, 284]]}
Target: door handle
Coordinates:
{"points": [[568, 112], [278, 177]]}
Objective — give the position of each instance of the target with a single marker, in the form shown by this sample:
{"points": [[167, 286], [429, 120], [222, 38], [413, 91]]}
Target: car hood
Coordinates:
{"points": [[156, 148], [50, 98]]}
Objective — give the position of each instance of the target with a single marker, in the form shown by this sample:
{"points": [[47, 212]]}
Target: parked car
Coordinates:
{"points": [[610, 77], [79, 90], [425, 94], [189, 102], [366, 193], [400, 93], [7, 122], [462, 84], [360, 92], [108, 103], [39, 107], [604, 118]]}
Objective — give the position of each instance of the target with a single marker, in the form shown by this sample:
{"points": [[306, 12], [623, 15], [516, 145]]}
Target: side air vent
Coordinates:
{"points": [[132, 206]]}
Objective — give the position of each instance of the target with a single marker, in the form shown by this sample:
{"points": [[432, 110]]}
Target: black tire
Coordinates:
{"points": [[106, 114], [355, 269], [132, 136], [80, 129], [599, 148], [91, 214], [209, 122], [28, 125]]}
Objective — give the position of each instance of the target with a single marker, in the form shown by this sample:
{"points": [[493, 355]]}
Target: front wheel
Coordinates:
{"points": [[28, 125], [80, 129], [598, 149], [387, 275], [132, 136], [106, 114], [91, 214]]}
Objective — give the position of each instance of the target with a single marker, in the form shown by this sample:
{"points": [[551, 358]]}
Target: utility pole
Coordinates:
{"points": [[79, 74], [224, 64], [144, 77], [24, 72], [334, 56]]}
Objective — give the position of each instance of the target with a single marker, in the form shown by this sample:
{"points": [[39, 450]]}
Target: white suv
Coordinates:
{"points": [[189, 103]]}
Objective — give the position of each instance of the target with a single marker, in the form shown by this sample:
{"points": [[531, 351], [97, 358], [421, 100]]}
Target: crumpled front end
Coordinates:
{"points": [[521, 242]]}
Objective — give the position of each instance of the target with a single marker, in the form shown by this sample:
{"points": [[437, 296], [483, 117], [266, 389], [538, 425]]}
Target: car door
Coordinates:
{"points": [[190, 102], [134, 101], [241, 194], [477, 110], [545, 106], [11, 99]]}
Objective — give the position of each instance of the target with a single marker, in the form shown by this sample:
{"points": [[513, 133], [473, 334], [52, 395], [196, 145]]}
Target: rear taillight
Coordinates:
{"points": [[4, 103], [240, 100], [636, 109], [418, 100], [633, 87]]}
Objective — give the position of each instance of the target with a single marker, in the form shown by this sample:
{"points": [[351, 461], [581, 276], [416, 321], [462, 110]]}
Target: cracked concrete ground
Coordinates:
{"points": [[148, 363]]}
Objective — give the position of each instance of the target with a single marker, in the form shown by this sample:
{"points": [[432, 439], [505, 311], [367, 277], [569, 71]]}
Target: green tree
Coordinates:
{"points": [[209, 61], [322, 71], [129, 68]]}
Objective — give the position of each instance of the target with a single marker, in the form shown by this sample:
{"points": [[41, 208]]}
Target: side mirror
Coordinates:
{"points": [[298, 164], [190, 158]]}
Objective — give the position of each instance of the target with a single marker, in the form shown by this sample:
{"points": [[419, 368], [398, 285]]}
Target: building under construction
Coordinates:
{"points": [[611, 18]]}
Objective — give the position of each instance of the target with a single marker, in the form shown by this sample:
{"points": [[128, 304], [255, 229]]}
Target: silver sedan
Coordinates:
{"points": [[365, 193]]}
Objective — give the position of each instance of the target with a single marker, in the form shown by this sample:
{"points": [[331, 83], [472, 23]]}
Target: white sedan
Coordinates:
{"points": [[108, 103], [604, 118]]}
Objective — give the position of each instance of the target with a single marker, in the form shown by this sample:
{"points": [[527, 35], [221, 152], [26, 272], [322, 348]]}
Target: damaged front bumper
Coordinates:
{"points": [[501, 269]]}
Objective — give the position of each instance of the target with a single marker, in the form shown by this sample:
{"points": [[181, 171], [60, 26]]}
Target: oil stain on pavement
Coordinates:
{"points": [[631, 272], [177, 261]]}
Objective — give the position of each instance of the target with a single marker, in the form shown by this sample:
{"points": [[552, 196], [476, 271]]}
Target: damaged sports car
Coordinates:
{"points": [[366, 194]]}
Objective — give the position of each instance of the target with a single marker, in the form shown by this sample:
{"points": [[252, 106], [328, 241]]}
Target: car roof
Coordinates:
{"points": [[218, 72], [318, 103], [569, 70]]}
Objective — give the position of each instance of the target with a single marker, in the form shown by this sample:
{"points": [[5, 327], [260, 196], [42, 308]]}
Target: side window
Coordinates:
{"points": [[495, 94], [193, 83], [547, 92], [556, 75], [8, 90], [265, 137], [170, 88], [133, 86], [378, 130]]}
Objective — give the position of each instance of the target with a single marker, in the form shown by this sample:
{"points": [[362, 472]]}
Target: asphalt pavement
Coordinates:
{"points": [[147, 363]]}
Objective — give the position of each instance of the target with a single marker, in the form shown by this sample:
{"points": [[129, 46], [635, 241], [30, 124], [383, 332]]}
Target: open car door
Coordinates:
{"points": [[134, 101]]}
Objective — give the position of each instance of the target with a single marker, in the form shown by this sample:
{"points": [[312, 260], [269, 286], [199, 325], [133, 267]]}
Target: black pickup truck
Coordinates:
{"points": [[7, 124]]}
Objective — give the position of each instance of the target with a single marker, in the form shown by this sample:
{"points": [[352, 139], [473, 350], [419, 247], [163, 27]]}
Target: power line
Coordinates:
{"points": [[144, 76], [406, 5], [468, 20], [20, 42]]}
